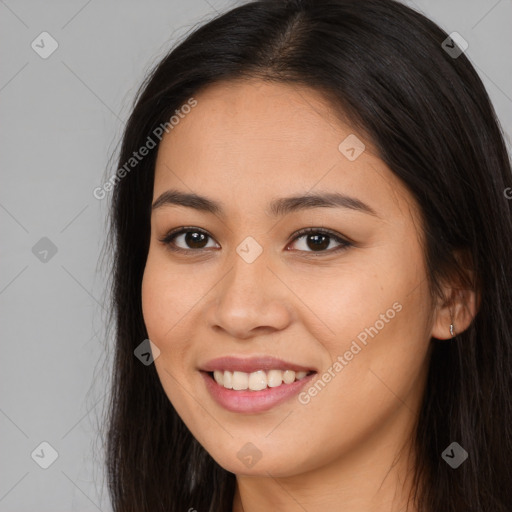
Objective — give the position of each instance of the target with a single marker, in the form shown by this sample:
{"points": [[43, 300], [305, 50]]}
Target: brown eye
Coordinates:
{"points": [[190, 239], [195, 239], [319, 240]]}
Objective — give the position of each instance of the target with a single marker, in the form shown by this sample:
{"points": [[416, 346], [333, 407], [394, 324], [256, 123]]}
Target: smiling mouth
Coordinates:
{"points": [[258, 380]]}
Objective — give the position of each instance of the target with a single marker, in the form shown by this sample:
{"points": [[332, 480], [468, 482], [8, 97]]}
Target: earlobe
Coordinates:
{"points": [[455, 315]]}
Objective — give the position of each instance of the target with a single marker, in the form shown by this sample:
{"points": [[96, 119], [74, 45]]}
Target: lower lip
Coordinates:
{"points": [[253, 401]]}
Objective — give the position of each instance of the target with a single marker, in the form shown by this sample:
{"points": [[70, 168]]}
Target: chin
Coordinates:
{"points": [[249, 462]]}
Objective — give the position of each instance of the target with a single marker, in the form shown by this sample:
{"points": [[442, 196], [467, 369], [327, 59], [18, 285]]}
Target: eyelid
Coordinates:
{"points": [[344, 241]]}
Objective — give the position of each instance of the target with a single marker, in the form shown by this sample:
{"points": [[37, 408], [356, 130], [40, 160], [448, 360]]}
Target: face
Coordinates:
{"points": [[323, 335]]}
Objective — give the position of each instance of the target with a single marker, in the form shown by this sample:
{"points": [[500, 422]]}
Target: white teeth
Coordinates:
{"points": [[274, 378], [240, 380], [219, 377], [256, 381], [227, 380], [288, 376]]}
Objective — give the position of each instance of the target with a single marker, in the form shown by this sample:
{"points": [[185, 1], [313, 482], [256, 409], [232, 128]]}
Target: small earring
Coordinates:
{"points": [[452, 331]]}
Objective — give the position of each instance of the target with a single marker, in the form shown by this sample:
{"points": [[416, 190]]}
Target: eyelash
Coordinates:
{"points": [[345, 244]]}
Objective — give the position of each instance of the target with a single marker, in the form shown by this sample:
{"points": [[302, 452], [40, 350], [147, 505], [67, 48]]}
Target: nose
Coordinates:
{"points": [[250, 300]]}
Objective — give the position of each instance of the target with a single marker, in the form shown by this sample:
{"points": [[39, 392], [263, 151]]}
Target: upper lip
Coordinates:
{"points": [[252, 364]]}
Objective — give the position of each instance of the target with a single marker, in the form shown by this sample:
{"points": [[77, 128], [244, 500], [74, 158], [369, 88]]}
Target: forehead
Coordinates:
{"points": [[249, 123], [248, 141]]}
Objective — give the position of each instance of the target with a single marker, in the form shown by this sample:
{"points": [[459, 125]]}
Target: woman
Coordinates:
{"points": [[310, 224]]}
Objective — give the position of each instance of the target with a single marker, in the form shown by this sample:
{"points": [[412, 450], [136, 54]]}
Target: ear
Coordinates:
{"points": [[460, 304]]}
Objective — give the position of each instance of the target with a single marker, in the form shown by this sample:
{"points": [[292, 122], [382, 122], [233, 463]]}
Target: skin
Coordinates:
{"points": [[244, 144]]}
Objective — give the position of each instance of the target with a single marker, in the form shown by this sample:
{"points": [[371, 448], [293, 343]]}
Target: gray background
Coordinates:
{"points": [[61, 120]]}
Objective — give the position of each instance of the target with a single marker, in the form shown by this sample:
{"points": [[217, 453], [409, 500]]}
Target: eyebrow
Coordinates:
{"points": [[278, 207]]}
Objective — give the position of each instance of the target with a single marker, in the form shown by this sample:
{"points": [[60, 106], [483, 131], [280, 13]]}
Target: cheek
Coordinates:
{"points": [[153, 292], [165, 300], [163, 305], [347, 301], [375, 317]]}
